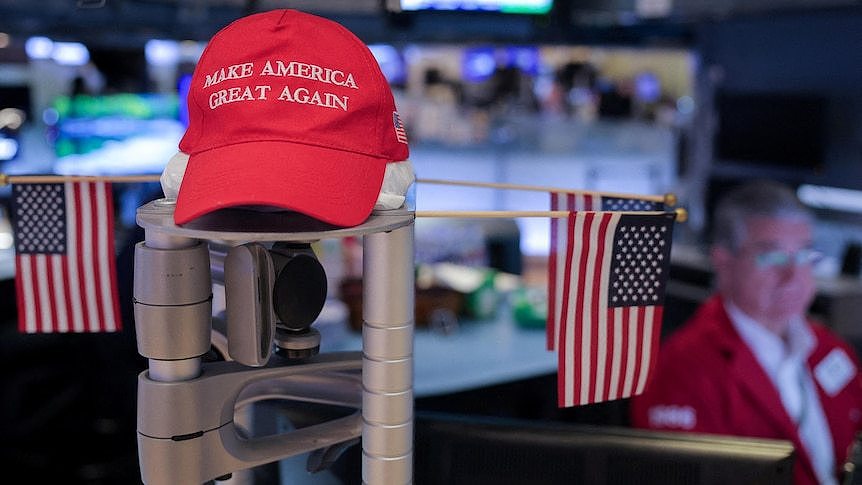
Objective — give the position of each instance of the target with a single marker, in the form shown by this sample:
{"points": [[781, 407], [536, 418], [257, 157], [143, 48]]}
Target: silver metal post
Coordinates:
{"points": [[387, 364], [173, 364]]}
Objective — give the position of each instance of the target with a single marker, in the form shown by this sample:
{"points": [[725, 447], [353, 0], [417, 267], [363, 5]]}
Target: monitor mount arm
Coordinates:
{"points": [[186, 429]]}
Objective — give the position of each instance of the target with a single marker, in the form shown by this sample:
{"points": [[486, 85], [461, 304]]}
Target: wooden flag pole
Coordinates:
{"points": [[668, 199], [59, 179], [681, 214], [491, 214]]}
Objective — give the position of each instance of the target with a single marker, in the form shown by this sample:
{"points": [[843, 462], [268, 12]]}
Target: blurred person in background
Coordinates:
{"points": [[749, 362]]}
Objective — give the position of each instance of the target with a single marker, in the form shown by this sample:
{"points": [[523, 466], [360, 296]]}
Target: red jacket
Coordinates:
{"points": [[708, 381]]}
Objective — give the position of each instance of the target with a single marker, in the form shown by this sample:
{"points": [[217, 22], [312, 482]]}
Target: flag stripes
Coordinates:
{"points": [[556, 258]]}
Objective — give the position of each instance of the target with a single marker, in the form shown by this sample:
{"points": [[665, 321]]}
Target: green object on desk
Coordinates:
{"points": [[530, 307], [482, 303]]}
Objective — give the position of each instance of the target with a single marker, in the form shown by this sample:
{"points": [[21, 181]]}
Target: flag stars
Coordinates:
{"points": [[40, 218], [639, 251]]}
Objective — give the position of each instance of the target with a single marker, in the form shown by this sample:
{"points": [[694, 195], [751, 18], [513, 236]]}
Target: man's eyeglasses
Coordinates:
{"points": [[778, 258]]}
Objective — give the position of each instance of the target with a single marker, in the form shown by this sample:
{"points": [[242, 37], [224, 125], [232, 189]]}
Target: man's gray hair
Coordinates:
{"points": [[761, 198]]}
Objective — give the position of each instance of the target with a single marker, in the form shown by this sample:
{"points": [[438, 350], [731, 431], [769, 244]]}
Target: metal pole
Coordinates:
{"points": [[172, 369], [387, 360]]}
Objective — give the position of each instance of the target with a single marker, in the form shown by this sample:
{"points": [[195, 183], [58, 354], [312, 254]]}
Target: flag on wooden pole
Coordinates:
{"points": [[581, 201], [616, 268], [65, 272], [556, 258]]}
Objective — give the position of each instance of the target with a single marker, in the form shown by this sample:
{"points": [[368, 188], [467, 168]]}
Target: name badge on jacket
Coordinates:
{"points": [[834, 371]]}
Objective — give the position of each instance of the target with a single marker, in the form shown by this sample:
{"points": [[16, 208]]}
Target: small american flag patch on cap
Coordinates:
{"points": [[400, 132]]}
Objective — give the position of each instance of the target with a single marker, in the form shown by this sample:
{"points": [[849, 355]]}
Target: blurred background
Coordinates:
{"points": [[641, 96]]}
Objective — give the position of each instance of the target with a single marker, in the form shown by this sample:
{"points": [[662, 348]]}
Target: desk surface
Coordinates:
{"points": [[477, 354]]}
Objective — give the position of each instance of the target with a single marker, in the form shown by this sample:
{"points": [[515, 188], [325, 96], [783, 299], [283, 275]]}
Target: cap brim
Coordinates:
{"points": [[334, 186]]}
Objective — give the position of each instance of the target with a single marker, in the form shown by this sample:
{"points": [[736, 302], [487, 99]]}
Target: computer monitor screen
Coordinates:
{"points": [[459, 449], [504, 6], [781, 130], [115, 134]]}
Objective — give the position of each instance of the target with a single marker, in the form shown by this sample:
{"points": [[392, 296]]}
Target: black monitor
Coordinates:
{"points": [[459, 449], [778, 130]]}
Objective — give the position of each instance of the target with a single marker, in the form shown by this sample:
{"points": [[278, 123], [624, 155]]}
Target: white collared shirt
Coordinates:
{"points": [[785, 364]]}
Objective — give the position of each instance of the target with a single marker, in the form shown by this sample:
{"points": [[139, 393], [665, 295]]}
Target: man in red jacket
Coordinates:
{"points": [[749, 363]]}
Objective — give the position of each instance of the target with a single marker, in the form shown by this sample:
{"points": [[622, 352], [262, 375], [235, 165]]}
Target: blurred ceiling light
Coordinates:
{"points": [[50, 116], [383, 52], [8, 148], [70, 53], [389, 61], [4, 40], [162, 52], [830, 198], [191, 50], [685, 105], [481, 63], [653, 8], [39, 47]]}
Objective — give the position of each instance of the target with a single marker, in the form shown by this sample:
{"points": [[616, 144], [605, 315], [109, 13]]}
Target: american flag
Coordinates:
{"points": [[400, 132], [617, 267], [585, 201], [64, 256]]}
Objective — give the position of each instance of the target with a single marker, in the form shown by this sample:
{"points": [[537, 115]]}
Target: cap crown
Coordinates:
{"points": [[289, 76]]}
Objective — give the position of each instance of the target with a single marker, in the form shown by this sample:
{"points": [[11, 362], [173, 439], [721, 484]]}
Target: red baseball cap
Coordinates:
{"points": [[290, 110]]}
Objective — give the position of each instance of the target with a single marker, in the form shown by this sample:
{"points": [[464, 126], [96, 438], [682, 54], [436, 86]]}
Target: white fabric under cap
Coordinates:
{"points": [[172, 175], [397, 180]]}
